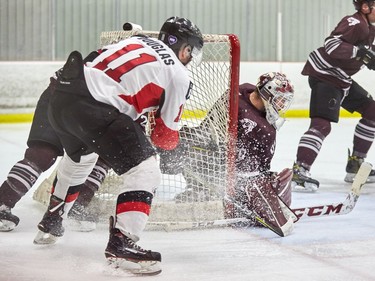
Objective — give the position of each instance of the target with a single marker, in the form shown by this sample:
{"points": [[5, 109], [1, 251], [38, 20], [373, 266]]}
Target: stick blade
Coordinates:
{"points": [[361, 177]]}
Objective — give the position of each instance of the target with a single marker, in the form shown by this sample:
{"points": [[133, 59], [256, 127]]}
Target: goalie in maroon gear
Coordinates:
{"points": [[260, 111], [266, 193]]}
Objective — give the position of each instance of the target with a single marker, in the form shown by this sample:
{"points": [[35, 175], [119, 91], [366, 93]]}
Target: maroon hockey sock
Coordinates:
{"points": [[364, 135], [20, 179], [311, 142]]}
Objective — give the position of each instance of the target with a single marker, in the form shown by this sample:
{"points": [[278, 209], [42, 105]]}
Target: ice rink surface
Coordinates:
{"points": [[325, 248]]}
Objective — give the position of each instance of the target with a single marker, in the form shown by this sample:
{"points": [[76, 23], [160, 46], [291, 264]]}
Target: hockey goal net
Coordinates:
{"points": [[208, 132]]}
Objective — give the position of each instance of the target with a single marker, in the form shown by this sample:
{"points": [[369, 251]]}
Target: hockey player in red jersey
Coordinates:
{"points": [[349, 47], [94, 108], [43, 149]]}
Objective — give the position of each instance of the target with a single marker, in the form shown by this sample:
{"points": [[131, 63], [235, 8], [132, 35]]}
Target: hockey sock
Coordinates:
{"points": [[311, 142], [20, 179], [364, 135]]}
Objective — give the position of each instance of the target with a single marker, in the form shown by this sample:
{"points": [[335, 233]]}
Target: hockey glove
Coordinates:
{"points": [[367, 56]]}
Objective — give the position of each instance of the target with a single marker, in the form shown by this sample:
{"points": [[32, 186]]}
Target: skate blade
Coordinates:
{"points": [[81, 226], [43, 238], [6, 226], [308, 188], [141, 268]]}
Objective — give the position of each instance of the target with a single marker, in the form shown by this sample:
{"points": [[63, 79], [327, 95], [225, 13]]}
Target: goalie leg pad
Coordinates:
{"points": [[262, 198]]}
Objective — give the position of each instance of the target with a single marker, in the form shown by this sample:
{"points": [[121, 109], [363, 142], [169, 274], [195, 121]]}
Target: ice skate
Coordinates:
{"points": [[80, 219], [352, 167], [123, 253], [8, 221], [50, 227], [302, 181]]}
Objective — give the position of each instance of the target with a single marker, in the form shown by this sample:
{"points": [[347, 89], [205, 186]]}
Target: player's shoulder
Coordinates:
{"points": [[355, 21], [246, 87]]}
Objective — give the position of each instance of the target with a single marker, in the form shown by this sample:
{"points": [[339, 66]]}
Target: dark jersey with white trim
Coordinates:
{"points": [[335, 61], [256, 139]]}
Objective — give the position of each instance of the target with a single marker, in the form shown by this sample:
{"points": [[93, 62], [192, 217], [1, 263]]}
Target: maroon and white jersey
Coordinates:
{"points": [[335, 61], [256, 139], [139, 75]]}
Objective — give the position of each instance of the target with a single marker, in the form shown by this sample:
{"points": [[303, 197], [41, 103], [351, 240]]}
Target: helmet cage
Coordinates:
{"points": [[277, 94]]}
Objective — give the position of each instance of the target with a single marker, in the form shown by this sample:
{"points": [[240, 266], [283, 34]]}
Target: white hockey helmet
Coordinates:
{"points": [[277, 93]]}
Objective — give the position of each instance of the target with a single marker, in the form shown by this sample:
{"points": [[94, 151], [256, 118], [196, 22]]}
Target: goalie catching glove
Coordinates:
{"points": [[367, 56]]}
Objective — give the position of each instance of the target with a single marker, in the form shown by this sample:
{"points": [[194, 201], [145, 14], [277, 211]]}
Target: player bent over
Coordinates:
{"points": [[330, 68], [94, 108], [43, 149]]}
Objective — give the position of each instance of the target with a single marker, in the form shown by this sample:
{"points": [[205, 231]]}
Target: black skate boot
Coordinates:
{"points": [[81, 219], [352, 167], [8, 221], [302, 180], [123, 253], [50, 227]]}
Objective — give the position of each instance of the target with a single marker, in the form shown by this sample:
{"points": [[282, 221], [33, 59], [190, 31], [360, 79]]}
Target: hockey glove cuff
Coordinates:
{"points": [[367, 56]]}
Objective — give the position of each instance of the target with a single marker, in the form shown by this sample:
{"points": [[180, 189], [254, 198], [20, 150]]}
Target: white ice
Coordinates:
{"points": [[325, 248]]}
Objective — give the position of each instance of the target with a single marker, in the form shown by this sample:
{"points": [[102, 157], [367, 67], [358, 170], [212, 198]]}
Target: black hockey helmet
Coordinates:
{"points": [[358, 3], [177, 31]]}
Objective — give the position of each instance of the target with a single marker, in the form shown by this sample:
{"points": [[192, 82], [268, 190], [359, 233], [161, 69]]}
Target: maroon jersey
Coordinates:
{"points": [[335, 61], [256, 137]]}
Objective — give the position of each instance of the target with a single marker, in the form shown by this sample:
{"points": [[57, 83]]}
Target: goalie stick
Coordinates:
{"points": [[341, 208]]}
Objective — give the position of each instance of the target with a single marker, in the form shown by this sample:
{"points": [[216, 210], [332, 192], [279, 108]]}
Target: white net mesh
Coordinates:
{"points": [[195, 194]]}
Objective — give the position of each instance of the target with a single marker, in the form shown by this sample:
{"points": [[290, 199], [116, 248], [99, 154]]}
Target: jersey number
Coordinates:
{"points": [[120, 70]]}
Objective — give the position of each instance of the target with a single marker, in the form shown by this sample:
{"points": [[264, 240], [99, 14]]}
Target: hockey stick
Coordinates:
{"points": [[341, 208], [182, 225]]}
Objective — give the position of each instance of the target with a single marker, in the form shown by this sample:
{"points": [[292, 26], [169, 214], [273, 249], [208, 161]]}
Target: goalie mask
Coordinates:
{"points": [[177, 31], [277, 94]]}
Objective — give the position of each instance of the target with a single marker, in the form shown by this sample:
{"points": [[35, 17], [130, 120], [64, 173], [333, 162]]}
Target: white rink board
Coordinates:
{"points": [[21, 83]]}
